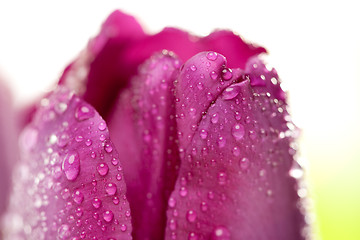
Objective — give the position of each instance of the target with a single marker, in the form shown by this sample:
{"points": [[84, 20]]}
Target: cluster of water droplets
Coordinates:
{"points": [[69, 176]]}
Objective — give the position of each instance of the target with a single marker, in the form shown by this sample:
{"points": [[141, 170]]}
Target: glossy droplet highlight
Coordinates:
{"points": [[236, 151], [191, 216], [108, 216], [213, 75], [230, 92], [215, 118], [96, 202], [84, 112], [103, 169], [227, 74], [238, 131], [110, 188], [172, 202], [203, 134], [220, 233], [102, 126], [212, 56], [108, 148], [244, 163], [78, 197], [71, 166]]}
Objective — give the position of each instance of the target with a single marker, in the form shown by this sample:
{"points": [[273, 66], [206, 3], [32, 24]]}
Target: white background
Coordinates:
{"points": [[315, 46]]}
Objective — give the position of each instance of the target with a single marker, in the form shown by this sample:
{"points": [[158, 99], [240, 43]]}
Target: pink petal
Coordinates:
{"points": [[143, 127], [8, 145], [236, 179], [70, 178], [98, 73]]}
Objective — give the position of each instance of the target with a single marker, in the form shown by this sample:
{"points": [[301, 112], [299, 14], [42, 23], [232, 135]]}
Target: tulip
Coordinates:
{"points": [[138, 142]]}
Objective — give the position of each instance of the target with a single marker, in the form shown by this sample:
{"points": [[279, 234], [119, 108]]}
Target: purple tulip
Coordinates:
{"points": [[145, 143]]}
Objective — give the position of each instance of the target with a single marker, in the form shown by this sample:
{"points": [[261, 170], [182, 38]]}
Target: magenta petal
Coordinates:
{"points": [[69, 184], [236, 178], [98, 73], [143, 127], [8, 145]]}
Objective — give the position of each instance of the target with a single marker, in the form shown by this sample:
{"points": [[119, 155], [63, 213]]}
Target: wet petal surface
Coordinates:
{"points": [[235, 179], [146, 114], [70, 176]]}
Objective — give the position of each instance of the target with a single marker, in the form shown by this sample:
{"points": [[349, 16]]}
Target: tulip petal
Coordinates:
{"points": [[236, 178], [69, 184], [143, 127], [101, 63], [8, 147]]}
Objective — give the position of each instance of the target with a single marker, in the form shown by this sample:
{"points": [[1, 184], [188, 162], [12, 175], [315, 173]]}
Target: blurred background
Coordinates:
{"points": [[314, 45]]}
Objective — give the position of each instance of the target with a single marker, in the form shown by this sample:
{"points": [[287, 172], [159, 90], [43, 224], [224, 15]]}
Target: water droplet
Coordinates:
{"points": [[238, 131], [108, 216], [244, 163], [203, 134], [110, 189], [221, 142], [118, 177], [64, 231], [222, 178], [63, 140], [96, 202], [215, 118], [60, 107], [236, 151], [200, 86], [193, 236], [123, 227], [103, 169], [93, 155], [172, 224], [172, 202], [262, 173], [231, 92], [115, 161], [220, 233], [116, 200], [88, 142], [296, 171], [227, 74], [203, 206], [191, 216], [102, 126], [237, 116], [108, 148], [212, 56], [102, 137], [213, 75], [71, 166], [84, 112], [65, 193], [193, 68], [78, 197], [183, 191], [79, 138]]}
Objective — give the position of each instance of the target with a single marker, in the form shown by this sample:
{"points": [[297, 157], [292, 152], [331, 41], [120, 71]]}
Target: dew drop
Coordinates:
{"points": [[244, 163], [172, 202], [116, 200], [64, 231], [215, 118], [108, 216], [93, 155], [172, 224], [78, 197], [115, 161], [213, 75], [65, 193], [102, 126], [88, 142], [193, 236], [118, 177], [212, 56], [123, 227], [108, 148], [183, 191], [110, 188], [191, 216], [203, 134], [193, 68], [96, 202], [236, 151], [71, 166], [222, 178], [84, 112], [231, 92], [227, 74], [103, 169], [220, 233], [238, 131], [221, 142], [102, 137], [203, 206], [63, 140]]}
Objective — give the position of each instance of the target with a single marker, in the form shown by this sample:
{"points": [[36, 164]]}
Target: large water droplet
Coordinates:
{"points": [[96, 202], [102, 126], [78, 197], [212, 56], [213, 75], [108, 216], [183, 191], [191, 216], [103, 169], [227, 74], [108, 148], [71, 166], [193, 68], [110, 189], [231, 92], [84, 112], [123, 227], [238, 131]]}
